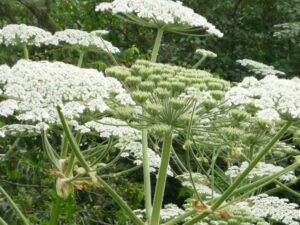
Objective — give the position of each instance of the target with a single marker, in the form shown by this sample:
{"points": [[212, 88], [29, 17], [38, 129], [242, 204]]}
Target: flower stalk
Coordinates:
{"points": [[157, 44], [199, 62], [25, 51], [161, 180], [81, 56], [2, 222], [147, 178], [75, 147]]}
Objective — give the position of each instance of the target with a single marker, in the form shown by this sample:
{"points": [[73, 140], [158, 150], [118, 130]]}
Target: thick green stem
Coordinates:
{"points": [[75, 147], [81, 56], [241, 178], [120, 201], [161, 180], [14, 206], [2, 222], [147, 178], [72, 159], [55, 212], [157, 43], [199, 62], [25, 52]]}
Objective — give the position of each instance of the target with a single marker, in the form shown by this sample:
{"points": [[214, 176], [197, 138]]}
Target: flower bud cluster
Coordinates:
{"points": [[167, 92]]}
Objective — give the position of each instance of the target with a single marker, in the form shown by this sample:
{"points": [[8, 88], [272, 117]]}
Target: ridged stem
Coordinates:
{"points": [[55, 211], [161, 180]]}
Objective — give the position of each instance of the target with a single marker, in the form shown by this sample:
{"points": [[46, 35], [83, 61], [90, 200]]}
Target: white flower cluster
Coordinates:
{"points": [[83, 39], [201, 184], [259, 68], [206, 53], [110, 127], [261, 170], [160, 12], [272, 96], [287, 30], [168, 212], [22, 129], [15, 34], [38, 87], [274, 208]]}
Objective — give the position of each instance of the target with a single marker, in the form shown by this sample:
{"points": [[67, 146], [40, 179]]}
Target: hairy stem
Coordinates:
{"points": [[161, 180], [72, 141], [14, 206], [55, 212]]}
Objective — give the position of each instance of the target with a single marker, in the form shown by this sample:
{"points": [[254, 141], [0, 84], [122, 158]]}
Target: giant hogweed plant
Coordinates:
{"points": [[155, 113]]}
